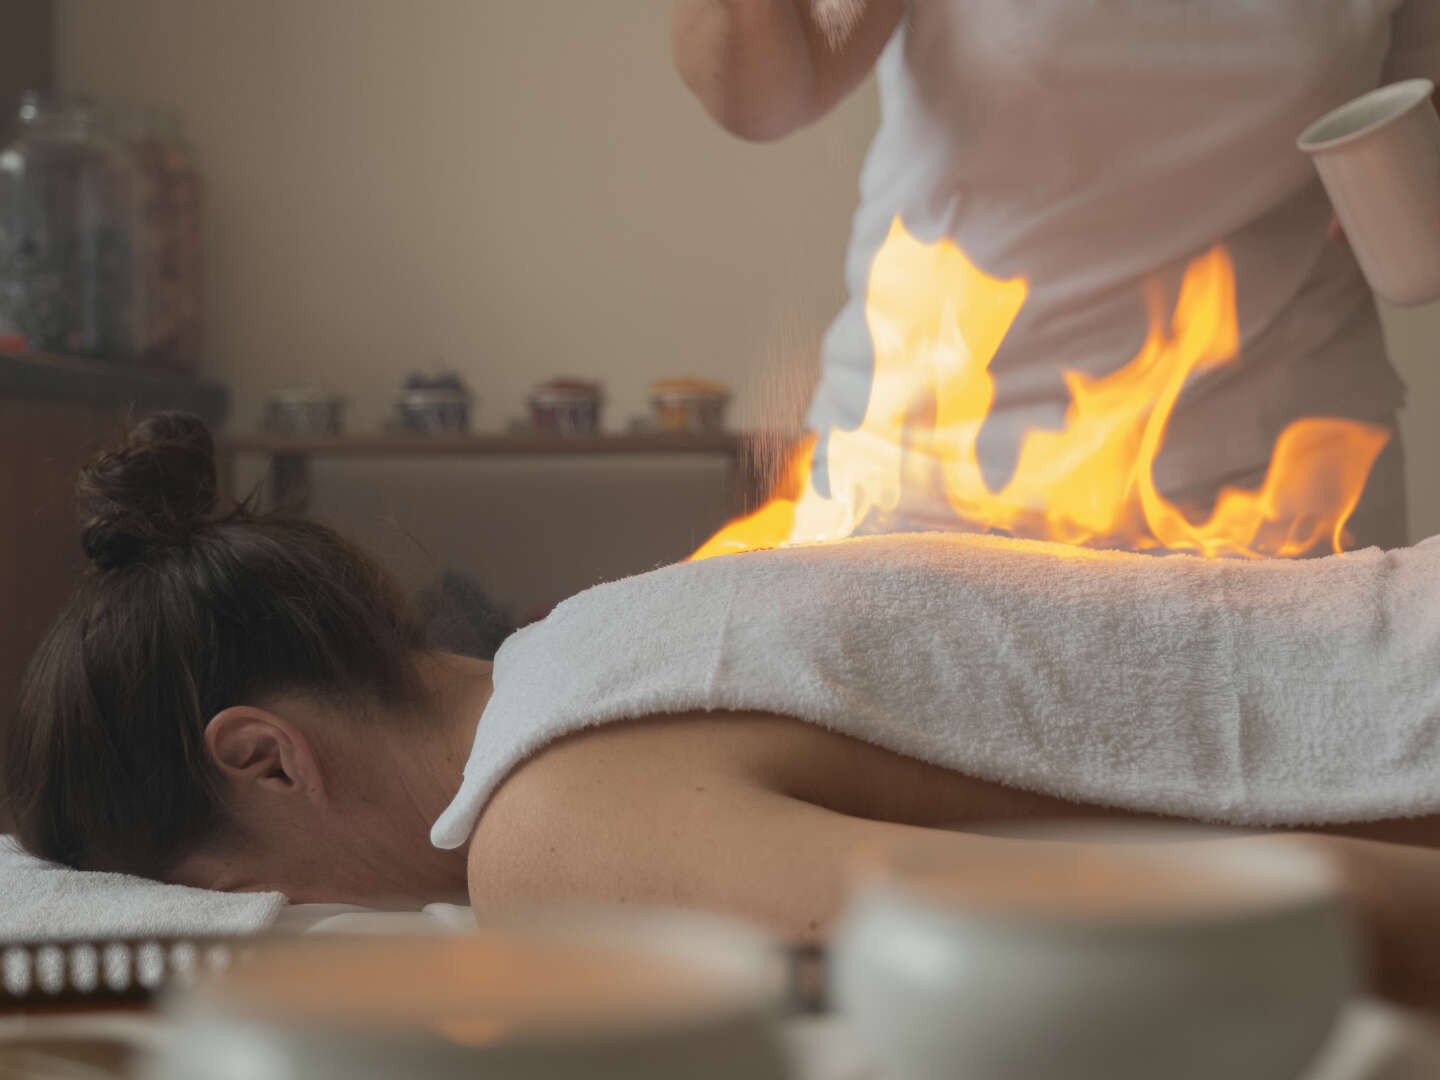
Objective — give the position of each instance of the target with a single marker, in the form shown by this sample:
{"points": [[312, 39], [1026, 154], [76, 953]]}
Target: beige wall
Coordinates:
{"points": [[517, 189]]}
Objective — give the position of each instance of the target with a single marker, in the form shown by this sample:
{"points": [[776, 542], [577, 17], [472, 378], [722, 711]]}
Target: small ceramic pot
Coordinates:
{"points": [[688, 405], [305, 410], [433, 411], [566, 407]]}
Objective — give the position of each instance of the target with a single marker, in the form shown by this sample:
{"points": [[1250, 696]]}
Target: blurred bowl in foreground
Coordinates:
{"points": [[563, 994], [1097, 960]]}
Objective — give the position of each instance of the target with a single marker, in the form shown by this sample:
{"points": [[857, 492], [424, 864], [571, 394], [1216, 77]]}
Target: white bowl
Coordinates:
{"points": [[552, 995], [1033, 959]]}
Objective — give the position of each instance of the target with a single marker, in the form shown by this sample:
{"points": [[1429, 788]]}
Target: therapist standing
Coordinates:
{"points": [[1096, 147]]}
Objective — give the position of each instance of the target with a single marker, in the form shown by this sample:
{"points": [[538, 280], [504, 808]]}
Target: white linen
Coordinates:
{"points": [[1094, 147], [44, 901], [1257, 693], [437, 918]]}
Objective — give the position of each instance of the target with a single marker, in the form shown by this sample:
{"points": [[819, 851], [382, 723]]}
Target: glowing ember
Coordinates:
{"points": [[936, 322]]}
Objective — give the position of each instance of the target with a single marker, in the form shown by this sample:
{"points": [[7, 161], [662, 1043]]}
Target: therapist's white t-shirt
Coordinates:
{"points": [[1092, 145]]}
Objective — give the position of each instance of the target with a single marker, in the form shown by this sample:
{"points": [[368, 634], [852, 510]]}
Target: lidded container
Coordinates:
{"points": [[566, 407], [67, 186], [548, 994], [691, 405], [304, 410], [434, 405]]}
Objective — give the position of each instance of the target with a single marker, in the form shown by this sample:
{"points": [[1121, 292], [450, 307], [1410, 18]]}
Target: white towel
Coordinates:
{"points": [[43, 901], [1239, 692]]}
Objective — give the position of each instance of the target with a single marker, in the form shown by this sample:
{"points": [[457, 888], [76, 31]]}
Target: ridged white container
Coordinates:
{"points": [[1379, 158]]}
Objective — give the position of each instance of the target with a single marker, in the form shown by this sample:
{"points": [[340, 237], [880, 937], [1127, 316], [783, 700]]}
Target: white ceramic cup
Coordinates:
{"points": [[1131, 961], [1379, 158]]}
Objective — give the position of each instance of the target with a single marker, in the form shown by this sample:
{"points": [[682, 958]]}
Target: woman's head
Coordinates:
{"points": [[189, 612]]}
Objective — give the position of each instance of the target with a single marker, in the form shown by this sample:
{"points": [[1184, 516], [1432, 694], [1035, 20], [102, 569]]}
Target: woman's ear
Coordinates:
{"points": [[258, 747]]}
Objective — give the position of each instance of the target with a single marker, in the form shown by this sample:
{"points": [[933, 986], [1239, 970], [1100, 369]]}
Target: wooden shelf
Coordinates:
{"points": [[34, 375], [290, 455], [495, 445]]}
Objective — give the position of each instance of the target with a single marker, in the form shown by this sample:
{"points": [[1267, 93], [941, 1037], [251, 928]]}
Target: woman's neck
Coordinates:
{"points": [[414, 773], [366, 838], [459, 688]]}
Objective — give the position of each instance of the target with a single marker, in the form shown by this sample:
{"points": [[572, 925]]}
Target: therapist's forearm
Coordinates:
{"points": [[748, 62], [766, 67]]}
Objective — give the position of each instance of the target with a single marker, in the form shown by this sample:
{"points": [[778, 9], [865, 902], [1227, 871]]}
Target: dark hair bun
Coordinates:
{"points": [[152, 492]]}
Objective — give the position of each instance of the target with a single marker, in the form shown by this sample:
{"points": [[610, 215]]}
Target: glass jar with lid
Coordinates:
{"points": [[67, 188], [167, 237]]}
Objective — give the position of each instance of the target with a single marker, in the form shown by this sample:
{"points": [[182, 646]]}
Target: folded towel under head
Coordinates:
{"points": [[1259, 693], [44, 901], [96, 933]]}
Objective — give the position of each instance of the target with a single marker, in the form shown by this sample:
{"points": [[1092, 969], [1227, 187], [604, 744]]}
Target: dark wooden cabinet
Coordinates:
{"points": [[26, 54], [55, 414]]}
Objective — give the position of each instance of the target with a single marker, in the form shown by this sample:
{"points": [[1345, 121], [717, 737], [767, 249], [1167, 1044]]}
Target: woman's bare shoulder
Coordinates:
{"points": [[544, 830], [619, 767], [688, 811]]}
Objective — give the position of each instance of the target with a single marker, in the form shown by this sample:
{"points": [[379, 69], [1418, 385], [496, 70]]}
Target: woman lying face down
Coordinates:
{"points": [[242, 701]]}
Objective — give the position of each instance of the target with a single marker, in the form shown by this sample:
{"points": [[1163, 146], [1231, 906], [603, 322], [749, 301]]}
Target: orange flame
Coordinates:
{"points": [[936, 322]]}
